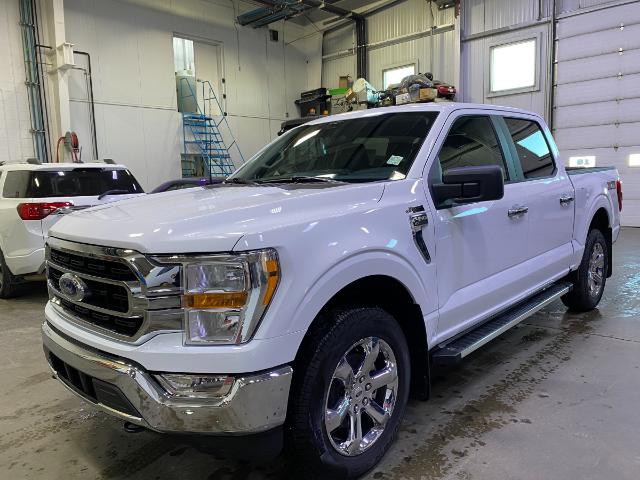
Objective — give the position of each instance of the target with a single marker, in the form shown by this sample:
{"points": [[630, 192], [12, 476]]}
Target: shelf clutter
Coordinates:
{"points": [[361, 95]]}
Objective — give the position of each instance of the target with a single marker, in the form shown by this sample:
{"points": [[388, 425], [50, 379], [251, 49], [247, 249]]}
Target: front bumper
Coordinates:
{"points": [[256, 402]]}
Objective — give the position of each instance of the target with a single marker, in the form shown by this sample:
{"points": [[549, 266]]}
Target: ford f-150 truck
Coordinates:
{"points": [[308, 295]]}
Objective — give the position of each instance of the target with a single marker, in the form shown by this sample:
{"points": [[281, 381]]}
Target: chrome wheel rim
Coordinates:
{"points": [[595, 273], [361, 396]]}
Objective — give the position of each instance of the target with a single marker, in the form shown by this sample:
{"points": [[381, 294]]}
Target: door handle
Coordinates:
{"points": [[517, 210], [566, 199]]}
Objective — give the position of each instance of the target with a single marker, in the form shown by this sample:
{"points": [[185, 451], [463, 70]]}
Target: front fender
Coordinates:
{"points": [[356, 267]]}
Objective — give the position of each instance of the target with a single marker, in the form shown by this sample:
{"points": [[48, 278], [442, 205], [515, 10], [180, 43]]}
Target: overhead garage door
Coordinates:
{"points": [[598, 94]]}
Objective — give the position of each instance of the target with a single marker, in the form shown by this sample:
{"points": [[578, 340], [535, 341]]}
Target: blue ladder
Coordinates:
{"points": [[201, 130]]}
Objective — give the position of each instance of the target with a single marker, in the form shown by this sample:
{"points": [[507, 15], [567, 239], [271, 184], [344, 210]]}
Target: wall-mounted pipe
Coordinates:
{"points": [[362, 63], [552, 66], [28, 22], [92, 103]]}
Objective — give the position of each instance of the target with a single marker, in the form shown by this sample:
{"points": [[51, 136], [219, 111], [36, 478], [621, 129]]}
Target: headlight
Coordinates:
{"points": [[226, 296]]}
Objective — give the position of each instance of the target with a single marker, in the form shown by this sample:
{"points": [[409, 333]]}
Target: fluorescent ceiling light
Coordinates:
{"points": [[634, 160]]}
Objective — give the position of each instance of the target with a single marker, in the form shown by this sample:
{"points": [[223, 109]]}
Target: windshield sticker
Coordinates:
{"points": [[394, 160]]}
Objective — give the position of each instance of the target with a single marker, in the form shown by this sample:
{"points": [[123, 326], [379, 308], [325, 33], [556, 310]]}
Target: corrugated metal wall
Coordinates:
{"points": [[411, 18], [485, 16]]}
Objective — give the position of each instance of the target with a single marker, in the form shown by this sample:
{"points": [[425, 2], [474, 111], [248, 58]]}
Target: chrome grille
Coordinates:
{"points": [[92, 266], [128, 296], [103, 295]]}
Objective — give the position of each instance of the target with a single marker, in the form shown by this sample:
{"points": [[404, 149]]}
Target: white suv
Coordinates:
{"points": [[32, 199]]}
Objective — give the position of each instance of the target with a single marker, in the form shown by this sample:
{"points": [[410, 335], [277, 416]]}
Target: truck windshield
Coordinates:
{"points": [[75, 182], [363, 149]]}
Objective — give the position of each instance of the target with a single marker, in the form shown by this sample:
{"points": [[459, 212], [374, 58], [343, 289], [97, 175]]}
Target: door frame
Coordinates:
{"points": [[222, 82]]}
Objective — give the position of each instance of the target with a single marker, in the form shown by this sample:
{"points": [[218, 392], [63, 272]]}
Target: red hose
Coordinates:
{"points": [[58, 149]]}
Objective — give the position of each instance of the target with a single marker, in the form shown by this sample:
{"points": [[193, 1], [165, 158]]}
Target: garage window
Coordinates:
{"points": [[513, 66], [394, 75]]}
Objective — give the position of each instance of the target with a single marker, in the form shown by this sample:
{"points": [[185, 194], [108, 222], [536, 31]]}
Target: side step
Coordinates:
{"points": [[457, 349]]}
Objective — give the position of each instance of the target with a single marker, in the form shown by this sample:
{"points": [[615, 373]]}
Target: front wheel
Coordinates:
{"points": [[350, 392], [590, 278]]}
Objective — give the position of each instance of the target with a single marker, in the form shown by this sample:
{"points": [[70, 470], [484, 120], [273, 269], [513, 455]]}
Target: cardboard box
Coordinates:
{"points": [[403, 98], [345, 81], [428, 94]]}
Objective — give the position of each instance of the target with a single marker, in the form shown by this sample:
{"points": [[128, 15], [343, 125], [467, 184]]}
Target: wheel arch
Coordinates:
{"points": [[601, 221], [393, 296]]}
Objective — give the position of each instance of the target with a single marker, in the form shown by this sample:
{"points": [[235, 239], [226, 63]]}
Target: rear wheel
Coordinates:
{"points": [[7, 280], [350, 393], [590, 278]]}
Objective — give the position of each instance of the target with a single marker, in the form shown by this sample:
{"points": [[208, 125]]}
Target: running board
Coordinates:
{"points": [[457, 349]]}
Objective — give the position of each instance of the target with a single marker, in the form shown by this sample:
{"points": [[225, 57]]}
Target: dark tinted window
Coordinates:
{"points": [[532, 147], [472, 142], [69, 183], [377, 147], [16, 183]]}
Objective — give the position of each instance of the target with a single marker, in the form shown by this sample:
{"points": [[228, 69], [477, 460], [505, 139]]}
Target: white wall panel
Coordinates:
{"points": [[16, 143], [483, 15], [408, 17], [338, 40], [475, 66], [134, 85], [334, 68]]}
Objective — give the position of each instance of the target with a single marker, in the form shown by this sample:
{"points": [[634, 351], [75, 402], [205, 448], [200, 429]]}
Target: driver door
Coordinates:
{"points": [[480, 247]]}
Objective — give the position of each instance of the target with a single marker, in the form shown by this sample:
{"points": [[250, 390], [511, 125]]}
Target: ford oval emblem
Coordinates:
{"points": [[72, 287]]}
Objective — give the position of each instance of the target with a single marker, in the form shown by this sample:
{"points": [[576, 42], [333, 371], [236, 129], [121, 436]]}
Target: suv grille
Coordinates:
{"points": [[92, 266]]}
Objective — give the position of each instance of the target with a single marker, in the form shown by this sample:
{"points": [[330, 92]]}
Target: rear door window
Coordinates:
{"points": [[532, 148], [77, 182]]}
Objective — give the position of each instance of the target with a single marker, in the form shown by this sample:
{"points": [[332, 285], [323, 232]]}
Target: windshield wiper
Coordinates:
{"points": [[113, 192], [300, 179], [239, 181]]}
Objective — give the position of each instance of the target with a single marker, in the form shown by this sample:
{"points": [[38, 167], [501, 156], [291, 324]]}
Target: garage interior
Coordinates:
{"points": [[129, 81]]}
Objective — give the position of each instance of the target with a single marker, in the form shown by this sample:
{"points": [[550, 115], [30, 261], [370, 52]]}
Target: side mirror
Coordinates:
{"points": [[469, 185]]}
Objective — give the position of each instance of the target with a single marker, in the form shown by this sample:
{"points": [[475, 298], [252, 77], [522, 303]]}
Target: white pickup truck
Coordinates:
{"points": [[307, 296]]}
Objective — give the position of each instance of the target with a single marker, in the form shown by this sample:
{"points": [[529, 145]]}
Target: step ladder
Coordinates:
{"points": [[202, 130], [455, 350]]}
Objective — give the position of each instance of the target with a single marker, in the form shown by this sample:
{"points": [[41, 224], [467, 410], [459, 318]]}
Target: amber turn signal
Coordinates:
{"points": [[215, 300]]}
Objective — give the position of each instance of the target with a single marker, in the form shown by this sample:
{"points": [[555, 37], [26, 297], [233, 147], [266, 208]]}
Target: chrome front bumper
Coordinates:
{"points": [[256, 403]]}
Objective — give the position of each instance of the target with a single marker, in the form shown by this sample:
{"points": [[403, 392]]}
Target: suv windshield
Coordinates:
{"points": [[363, 149], [77, 182]]}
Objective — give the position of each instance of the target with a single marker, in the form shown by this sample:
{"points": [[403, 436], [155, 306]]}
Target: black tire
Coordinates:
{"points": [[7, 280], [584, 297], [308, 441]]}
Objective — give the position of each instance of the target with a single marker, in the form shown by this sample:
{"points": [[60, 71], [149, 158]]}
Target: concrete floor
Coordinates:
{"points": [[555, 398]]}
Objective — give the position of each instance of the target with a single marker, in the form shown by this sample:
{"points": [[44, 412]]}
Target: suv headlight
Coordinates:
{"points": [[226, 296]]}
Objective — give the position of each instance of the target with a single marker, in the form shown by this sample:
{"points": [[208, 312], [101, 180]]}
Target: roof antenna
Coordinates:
{"points": [[33, 161]]}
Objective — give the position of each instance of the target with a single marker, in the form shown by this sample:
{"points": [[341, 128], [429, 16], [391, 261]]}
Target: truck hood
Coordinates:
{"points": [[210, 219]]}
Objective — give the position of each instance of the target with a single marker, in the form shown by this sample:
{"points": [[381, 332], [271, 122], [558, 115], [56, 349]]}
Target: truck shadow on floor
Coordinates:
{"points": [[464, 406]]}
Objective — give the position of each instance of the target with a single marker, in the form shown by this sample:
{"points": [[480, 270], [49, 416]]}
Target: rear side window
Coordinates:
{"points": [[532, 147], [69, 183], [16, 184], [472, 142]]}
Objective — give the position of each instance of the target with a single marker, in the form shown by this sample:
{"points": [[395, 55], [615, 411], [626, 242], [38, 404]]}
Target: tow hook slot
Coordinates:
{"points": [[132, 427], [418, 220]]}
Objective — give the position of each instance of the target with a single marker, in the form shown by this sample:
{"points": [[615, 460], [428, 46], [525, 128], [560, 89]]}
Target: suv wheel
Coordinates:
{"points": [[350, 391], [7, 280], [590, 278]]}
